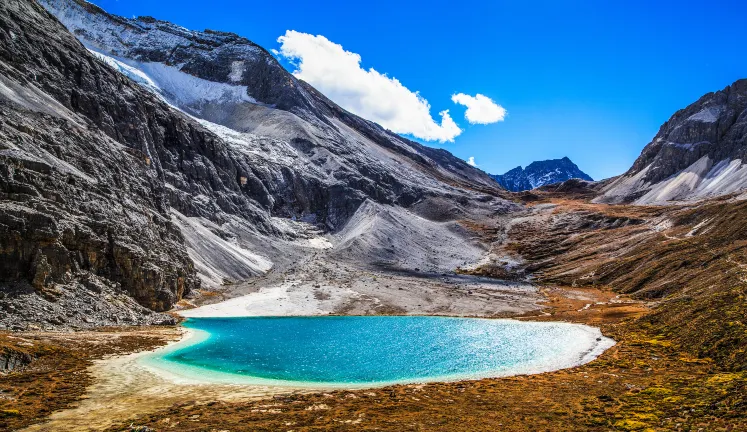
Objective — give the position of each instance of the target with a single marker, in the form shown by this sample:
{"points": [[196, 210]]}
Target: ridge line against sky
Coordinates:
{"points": [[584, 79], [338, 74]]}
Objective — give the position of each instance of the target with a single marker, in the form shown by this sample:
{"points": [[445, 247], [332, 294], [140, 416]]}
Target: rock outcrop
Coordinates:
{"points": [[700, 152], [13, 359]]}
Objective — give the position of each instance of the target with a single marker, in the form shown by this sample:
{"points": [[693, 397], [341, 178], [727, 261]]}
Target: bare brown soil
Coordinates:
{"points": [[690, 262]]}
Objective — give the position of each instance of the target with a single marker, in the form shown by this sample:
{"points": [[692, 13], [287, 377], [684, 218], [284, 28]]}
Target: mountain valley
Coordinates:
{"points": [[151, 174]]}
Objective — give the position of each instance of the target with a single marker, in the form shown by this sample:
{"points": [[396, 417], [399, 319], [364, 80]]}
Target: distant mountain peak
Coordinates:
{"points": [[540, 173]]}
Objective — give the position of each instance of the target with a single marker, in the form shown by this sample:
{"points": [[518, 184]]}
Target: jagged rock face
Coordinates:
{"points": [[85, 157], [540, 173], [698, 153], [229, 81], [59, 221]]}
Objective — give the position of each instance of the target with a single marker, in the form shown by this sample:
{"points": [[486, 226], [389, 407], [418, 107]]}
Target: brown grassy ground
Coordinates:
{"points": [[691, 262], [57, 376]]}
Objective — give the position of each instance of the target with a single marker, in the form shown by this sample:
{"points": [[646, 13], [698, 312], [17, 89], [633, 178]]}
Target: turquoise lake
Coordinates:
{"points": [[358, 351]]}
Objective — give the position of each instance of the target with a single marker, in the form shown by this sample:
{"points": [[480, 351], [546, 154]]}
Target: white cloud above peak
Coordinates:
{"points": [[368, 93], [480, 108], [471, 161]]}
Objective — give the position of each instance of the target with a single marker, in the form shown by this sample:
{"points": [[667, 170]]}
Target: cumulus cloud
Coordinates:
{"points": [[471, 161], [368, 93], [480, 108]]}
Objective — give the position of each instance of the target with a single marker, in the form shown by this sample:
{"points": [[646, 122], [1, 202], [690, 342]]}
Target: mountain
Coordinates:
{"points": [[698, 153], [150, 161], [226, 80], [540, 173]]}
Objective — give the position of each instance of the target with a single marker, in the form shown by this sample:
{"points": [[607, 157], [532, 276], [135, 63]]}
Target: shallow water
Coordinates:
{"points": [[359, 351]]}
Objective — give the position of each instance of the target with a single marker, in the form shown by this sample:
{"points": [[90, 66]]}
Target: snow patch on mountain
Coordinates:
{"points": [[141, 34], [188, 90], [176, 87], [237, 71], [131, 72], [707, 115]]}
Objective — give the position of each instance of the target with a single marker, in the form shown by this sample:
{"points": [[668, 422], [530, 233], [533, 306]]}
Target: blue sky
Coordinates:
{"points": [[591, 80]]}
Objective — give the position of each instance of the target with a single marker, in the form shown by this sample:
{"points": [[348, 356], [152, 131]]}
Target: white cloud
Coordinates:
{"points": [[471, 161], [372, 95], [480, 108]]}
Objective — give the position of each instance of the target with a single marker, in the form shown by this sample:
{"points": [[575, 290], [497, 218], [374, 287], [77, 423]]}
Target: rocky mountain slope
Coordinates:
{"points": [[138, 172], [698, 153], [227, 80], [540, 173]]}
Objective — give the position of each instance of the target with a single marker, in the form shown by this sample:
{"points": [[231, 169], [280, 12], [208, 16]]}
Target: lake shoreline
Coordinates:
{"points": [[157, 361], [148, 391]]}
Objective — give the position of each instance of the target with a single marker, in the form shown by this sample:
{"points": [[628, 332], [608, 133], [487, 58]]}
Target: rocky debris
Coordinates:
{"points": [[393, 238], [87, 301], [325, 284], [13, 359], [698, 153], [540, 173]]}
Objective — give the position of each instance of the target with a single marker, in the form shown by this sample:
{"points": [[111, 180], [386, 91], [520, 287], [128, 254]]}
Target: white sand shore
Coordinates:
{"points": [[287, 299]]}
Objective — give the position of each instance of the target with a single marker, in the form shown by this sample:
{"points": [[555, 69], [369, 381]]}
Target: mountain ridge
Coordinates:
{"points": [[699, 153], [231, 59], [540, 173]]}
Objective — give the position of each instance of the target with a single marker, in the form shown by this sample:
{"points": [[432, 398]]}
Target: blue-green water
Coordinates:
{"points": [[375, 350]]}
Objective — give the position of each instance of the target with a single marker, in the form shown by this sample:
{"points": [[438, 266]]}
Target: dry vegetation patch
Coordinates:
{"points": [[58, 374]]}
